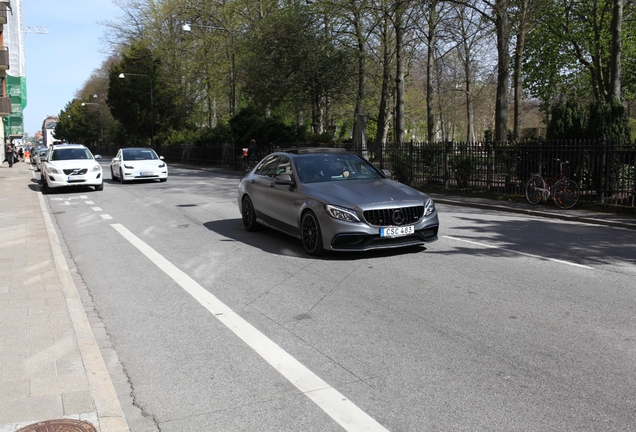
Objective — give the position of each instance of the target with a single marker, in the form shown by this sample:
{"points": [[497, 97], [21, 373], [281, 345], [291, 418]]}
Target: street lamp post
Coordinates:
{"points": [[152, 104], [101, 127], [188, 28]]}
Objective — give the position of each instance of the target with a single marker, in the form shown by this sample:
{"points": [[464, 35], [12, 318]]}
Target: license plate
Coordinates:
{"points": [[76, 177], [146, 173], [397, 231]]}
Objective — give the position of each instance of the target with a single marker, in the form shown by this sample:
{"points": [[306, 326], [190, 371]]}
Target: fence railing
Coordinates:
{"points": [[604, 170]]}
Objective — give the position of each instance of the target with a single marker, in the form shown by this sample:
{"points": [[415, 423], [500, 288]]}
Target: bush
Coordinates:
{"points": [[464, 167]]}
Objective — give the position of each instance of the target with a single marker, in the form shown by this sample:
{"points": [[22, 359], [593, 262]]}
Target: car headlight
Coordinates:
{"points": [[52, 170], [162, 165], [97, 168], [429, 207], [341, 213], [129, 166]]}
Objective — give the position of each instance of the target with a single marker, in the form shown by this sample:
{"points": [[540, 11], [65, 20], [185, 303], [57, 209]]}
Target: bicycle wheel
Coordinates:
{"points": [[566, 193], [534, 189]]}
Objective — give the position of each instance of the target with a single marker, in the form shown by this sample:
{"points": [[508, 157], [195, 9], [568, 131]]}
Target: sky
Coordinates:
{"points": [[59, 63]]}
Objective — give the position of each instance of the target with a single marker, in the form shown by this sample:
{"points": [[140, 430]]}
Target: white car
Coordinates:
{"points": [[70, 165], [138, 163]]}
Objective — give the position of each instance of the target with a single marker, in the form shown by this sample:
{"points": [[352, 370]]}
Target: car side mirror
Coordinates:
{"points": [[284, 179], [387, 173], [161, 157], [98, 156]]}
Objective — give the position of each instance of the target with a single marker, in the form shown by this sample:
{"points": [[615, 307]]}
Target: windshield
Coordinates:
{"points": [[70, 154], [333, 167], [139, 154]]}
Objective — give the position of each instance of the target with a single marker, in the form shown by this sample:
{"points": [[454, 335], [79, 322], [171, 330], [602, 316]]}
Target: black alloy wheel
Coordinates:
{"points": [[311, 235], [249, 214], [121, 176]]}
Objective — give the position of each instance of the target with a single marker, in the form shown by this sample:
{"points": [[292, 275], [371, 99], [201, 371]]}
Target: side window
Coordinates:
{"points": [[284, 166], [267, 167]]}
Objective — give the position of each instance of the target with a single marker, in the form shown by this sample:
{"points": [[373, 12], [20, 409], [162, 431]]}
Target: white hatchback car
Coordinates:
{"points": [[138, 163], [70, 165]]}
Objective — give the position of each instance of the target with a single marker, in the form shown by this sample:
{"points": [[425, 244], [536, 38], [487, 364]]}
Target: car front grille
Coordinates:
{"points": [[368, 242], [72, 171], [394, 216]]}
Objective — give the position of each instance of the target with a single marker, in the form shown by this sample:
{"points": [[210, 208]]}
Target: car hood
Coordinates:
{"points": [[366, 193], [74, 163], [140, 164]]}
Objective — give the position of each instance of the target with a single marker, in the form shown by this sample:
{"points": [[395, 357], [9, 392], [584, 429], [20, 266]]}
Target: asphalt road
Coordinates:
{"points": [[508, 322]]}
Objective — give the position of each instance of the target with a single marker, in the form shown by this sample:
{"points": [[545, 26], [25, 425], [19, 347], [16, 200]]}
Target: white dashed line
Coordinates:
{"points": [[519, 253], [105, 216]]}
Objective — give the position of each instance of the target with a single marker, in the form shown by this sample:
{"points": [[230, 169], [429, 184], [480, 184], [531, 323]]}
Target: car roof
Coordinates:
{"points": [[315, 150], [66, 145]]}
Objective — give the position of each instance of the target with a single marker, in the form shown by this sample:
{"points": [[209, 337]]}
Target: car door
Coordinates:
{"points": [[116, 163], [259, 184], [282, 199]]}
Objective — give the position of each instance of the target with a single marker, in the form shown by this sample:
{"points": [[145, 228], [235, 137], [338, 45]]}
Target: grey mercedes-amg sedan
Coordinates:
{"points": [[333, 200]]}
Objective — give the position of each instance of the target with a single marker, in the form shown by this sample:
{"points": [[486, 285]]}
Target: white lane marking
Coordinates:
{"points": [[105, 216], [89, 202], [336, 405], [97, 208], [519, 253]]}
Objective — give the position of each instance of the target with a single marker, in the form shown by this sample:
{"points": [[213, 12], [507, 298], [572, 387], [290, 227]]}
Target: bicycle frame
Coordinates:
{"points": [[550, 182]]}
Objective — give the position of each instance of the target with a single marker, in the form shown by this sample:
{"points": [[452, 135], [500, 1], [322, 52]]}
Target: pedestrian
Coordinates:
{"points": [[27, 154], [252, 151], [10, 156], [21, 154]]}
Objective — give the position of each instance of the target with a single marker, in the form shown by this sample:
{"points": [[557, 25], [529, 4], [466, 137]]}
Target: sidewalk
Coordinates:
{"points": [[51, 367]]}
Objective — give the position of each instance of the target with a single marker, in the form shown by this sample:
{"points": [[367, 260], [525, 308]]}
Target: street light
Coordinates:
{"points": [[187, 27], [152, 104], [101, 127]]}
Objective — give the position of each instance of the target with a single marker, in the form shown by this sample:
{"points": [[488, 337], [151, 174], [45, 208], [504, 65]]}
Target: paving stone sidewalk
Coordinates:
{"points": [[51, 366]]}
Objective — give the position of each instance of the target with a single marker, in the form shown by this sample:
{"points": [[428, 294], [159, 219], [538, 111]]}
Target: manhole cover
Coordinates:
{"points": [[62, 425]]}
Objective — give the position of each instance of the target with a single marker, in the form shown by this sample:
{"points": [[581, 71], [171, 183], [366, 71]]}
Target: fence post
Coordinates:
{"points": [[447, 149], [489, 167], [411, 163]]}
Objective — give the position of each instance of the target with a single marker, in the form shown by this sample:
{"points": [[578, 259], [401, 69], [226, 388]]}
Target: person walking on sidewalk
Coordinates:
{"points": [[10, 156]]}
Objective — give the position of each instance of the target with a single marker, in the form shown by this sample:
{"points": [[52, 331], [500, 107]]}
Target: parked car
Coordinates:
{"points": [[38, 156], [334, 200], [138, 163], [70, 165]]}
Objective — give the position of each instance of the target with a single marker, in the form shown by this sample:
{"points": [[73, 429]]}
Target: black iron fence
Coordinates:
{"points": [[604, 170]]}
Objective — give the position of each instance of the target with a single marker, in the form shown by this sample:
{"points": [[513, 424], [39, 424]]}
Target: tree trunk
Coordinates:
{"points": [[430, 64], [361, 79], [399, 76], [503, 75], [518, 81], [615, 60]]}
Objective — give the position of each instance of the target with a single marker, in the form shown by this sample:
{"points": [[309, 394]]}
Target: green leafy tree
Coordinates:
{"points": [[291, 61], [567, 121], [143, 100]]}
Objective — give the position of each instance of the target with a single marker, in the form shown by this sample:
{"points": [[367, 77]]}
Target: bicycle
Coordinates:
{"points": [[564, 191]]}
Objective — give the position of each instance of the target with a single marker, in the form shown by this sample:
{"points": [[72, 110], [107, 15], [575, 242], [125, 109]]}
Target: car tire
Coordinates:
{"points": [[248, 214], [45, 186], [310, 234], [112, 174], [121, 177], [163, 180], [99, 187]]}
